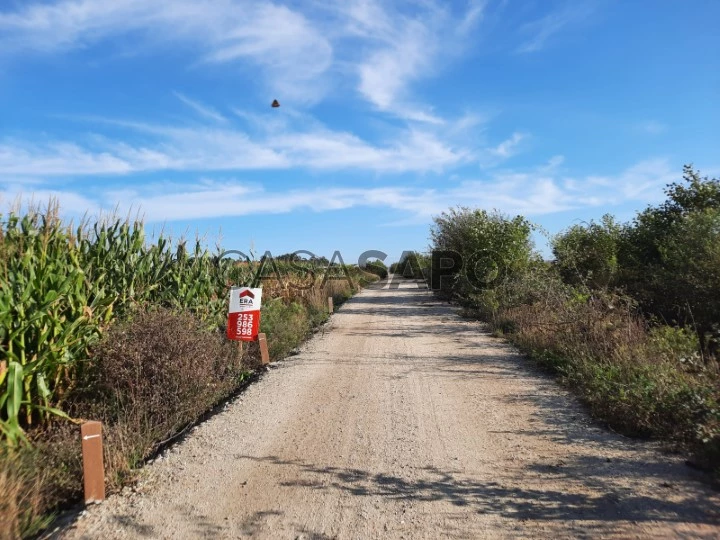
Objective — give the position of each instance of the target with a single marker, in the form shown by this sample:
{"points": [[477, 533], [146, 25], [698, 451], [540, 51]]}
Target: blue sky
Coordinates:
{"points": [[390, 112]]}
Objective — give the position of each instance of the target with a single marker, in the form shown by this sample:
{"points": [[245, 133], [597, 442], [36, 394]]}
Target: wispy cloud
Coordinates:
{"points": [[20, 158], [385, 74], [301, 55], [290, 52], [472, 17], [309, 145], [534, 192], [298, 53], [540, 31], [402, 49], [642, 181], [202, 110], [508, 147]]}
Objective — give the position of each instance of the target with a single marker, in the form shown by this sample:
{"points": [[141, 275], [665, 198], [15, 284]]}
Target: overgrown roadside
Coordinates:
{"points": [[152, 378], [100, 323], [626, 314], [403, 420]]}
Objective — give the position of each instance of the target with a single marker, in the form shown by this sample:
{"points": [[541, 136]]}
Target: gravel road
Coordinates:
{"points": [[401, 420]]}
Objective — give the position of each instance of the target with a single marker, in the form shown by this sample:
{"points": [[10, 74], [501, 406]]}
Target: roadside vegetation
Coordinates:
{"points": [[378, 268], [628, 314], [99, 322], [412, 265]]}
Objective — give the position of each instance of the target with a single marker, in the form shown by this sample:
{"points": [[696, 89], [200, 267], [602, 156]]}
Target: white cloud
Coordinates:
{"points": [[300, 54], [531, 193], [286, 46], [290, 52], [541, 30], [474, 14], [643, 181], [385, 74], [552, 165], [71, 203], [403, 49], [57, 158], [202, 110], [310, 145], [508, 147]]}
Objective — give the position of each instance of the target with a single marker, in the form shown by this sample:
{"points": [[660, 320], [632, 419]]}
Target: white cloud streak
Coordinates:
{"points": [[226, 148], [295, 51], [290, 52], [401, 49], [541, 30], [532, 193], [202, 110], [508, 147]]}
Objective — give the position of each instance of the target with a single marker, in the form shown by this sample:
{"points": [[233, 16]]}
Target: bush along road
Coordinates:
{"points": [[402, 420]]}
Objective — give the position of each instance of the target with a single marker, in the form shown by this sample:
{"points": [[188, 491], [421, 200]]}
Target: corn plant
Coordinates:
{"points": [[49, 315], [60, 288]]}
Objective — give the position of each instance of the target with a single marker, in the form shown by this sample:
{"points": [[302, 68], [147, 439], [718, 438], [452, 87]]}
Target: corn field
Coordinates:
{"points": [[61, 287]]}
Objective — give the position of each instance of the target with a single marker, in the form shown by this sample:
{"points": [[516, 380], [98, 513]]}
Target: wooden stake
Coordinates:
{"points": [[92, 456], [240, 349], [264, 353], [331, 308]]}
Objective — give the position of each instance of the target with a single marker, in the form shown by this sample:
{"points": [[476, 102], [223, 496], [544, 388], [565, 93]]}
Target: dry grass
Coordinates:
{"points": [[22, 504], [151, 377], [642, 379]]}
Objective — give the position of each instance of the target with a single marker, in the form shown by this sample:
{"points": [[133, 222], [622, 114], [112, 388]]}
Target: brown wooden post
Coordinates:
{"points": [[264, 353], [92, 456], [331, 308]]}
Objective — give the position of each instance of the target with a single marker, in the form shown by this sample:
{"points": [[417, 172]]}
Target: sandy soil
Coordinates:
{"points": [[400, 420]]}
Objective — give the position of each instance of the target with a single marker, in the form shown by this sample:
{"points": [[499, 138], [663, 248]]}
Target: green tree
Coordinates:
{"points": [[493, 247], [588, 254], [668, 256]]}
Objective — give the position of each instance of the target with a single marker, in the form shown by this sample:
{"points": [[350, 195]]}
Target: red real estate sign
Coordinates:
{"points": [[244, 314]]}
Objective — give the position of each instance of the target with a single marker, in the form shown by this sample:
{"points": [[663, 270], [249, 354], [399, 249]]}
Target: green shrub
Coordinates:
{"points": [[493, 247], [641, 380], [378, 268], [287, 325], [676, 345], [587, 255], [669, 257], [412, 265]]}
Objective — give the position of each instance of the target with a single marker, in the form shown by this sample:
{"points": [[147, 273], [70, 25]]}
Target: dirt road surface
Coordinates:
{"points": [[401, 420]]}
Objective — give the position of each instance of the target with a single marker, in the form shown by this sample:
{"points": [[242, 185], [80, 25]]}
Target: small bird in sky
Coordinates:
{"points": [[275, 103]]}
